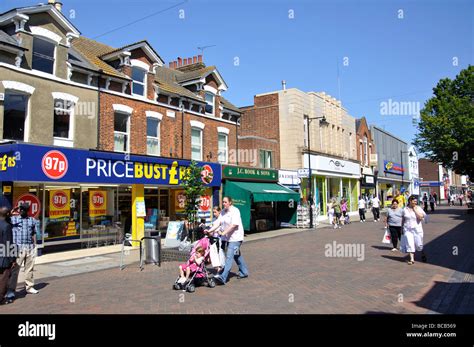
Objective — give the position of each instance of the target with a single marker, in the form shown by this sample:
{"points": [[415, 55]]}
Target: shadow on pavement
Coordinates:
{"points": [[449, 298]]}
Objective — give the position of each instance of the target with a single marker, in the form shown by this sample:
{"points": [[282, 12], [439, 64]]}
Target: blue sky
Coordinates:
{"points": [[383, 50]]}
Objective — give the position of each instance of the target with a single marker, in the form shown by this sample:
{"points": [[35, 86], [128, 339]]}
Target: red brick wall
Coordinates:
{"points": [[361, 132], [428, 170], [170, 131], [261, 120]]}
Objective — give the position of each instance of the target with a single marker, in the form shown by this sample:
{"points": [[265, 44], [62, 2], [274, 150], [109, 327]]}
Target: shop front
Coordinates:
{"points": [[332, 178], [88, 198], [391, 181], [263, 203]]}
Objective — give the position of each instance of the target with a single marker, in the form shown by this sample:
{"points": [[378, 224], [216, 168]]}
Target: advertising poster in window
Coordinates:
{"points": [[97, 204], [59, 205], [180, 201]]}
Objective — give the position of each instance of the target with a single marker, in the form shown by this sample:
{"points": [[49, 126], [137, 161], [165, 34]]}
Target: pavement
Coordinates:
{"points": [[320, 271]]}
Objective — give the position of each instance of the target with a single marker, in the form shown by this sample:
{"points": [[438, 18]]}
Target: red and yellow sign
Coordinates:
{"points": [[180, 201], [59, 204], [97, 203]]}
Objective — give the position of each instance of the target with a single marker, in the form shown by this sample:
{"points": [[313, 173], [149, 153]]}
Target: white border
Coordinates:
{"points": [[39, 31], [140, 64], [154, 114], [223, 130], [122, 108], [65, 96], [197, 125], [19, 87]]}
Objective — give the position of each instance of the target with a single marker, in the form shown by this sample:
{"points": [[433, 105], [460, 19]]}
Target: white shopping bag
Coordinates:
{"points": [[214, 255], [222, 257], [386, 237]]}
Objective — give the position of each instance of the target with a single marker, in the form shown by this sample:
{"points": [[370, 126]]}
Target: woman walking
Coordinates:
{"points": [[393, 221], [412, 239], [331, 211]]}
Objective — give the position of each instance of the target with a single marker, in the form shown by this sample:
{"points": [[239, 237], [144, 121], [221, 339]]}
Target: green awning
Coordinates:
{"points": [[266, 191]]}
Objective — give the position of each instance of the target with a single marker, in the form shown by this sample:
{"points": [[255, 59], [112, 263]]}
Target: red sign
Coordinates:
{"points": [[54, 164], [33, 201], [207, 174], [98, 199], [205, 203], [59, 199]]}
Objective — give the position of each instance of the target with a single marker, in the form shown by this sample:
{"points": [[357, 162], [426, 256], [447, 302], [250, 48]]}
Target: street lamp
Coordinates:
{"points": [[322, 121], [401, 162]]}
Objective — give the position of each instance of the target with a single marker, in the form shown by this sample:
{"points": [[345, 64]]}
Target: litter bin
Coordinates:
{"points": [[152, 247]]}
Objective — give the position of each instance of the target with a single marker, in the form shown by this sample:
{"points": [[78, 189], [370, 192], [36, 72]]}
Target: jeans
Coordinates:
{"points": [[376, 212], [396, 234], [233, 253], [362, 213]]}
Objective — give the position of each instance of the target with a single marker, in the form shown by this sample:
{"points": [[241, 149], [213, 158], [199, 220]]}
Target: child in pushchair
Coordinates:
{"points": [[194, 272]]}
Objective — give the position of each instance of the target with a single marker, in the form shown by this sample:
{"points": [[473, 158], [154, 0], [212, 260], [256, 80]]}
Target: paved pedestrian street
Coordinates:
{"points": [[291, 274]]}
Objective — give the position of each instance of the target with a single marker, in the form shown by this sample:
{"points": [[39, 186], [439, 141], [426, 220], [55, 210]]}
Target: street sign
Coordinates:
{"points": [[303, 173]]}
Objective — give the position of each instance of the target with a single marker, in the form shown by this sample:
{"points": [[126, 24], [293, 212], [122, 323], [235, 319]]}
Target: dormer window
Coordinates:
{"points": [[43, 55], [209, 103], [139, 81]]}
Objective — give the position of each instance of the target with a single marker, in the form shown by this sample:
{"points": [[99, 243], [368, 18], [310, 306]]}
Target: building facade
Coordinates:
{"points": [[367, 156]]}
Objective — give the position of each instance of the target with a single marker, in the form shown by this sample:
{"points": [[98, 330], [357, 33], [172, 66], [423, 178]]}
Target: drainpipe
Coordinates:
{"points": [[182, 129], [98, 108], [237, 140]]}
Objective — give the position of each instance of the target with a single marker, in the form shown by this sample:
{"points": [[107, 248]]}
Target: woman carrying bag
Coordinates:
{"points": [[393, 221]]}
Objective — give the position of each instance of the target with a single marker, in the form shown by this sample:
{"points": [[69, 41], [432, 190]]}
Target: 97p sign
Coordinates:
{"points": [[54, 165], [32, 201]]}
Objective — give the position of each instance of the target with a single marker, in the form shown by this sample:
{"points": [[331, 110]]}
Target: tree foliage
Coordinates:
{"points": [[446, 127], [193, 189]]}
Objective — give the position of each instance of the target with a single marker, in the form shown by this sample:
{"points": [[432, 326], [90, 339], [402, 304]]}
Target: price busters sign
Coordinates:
{"points": [[34, 163], [59, 204], [97, 203]]}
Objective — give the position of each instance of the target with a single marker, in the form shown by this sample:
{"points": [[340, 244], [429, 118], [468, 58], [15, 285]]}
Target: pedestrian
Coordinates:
{"points": [[214, 232], [393, 221], [425, 203], [362, 209], [24, 236], [449, 199], [412, 238], [400, 198], [460, 196], [375, 202], [337, 214], [233, 229], [344, 209], [435, 196], [7, 254], [331, 211], [432, 203]]}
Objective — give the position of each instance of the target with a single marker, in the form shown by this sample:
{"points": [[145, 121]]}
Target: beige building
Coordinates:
{"points": [[334, 165]]}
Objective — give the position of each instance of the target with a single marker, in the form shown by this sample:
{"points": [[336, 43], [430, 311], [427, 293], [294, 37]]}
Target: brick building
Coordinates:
{"points": [[366, 154]]}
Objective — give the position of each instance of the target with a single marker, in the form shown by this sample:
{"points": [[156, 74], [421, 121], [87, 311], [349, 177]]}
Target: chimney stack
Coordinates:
{"points": [[57, 4], [283, 84], [180, 62], [195, 59], [200, 58]]}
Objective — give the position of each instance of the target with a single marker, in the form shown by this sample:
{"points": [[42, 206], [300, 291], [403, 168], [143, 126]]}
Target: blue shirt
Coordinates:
{"points": [[23, 230]]}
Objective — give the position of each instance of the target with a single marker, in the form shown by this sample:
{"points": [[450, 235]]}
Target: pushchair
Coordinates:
{"points": [[347, 219], [201, 275]]}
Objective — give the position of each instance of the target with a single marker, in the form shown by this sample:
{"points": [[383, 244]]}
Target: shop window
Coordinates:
{"points": [[14, 117], [266, 161], [121, 132], [209, 103], [223, 150], [196, 144], [139, 81], [43, 55], [153, 135], [63, 119], [62, 213]]}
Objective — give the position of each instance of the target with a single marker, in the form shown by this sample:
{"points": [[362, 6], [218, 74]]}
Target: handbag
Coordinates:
{"points": [[387, 238], [185, 245], [214, 255]]}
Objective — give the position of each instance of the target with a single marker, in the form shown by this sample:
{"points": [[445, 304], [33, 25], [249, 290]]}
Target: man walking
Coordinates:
{"points": [[375, 207], [24, 236], [7, 253], [233, 229]]}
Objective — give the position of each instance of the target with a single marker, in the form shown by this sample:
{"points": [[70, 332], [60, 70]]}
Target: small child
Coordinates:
{"points": [[191, 265]]}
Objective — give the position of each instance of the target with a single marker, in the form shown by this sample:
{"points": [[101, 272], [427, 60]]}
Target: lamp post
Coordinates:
{"points": [[401, 162], [310, 187]]}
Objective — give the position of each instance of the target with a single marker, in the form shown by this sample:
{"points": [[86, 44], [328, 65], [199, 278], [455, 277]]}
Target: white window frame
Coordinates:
{"points": [[50, 40], [263, 165], [64, 97], [201, 132], [135, 63], [213, 103], [224, 132], [366, 159], [25, 89], [159, 117], [129, 115]]}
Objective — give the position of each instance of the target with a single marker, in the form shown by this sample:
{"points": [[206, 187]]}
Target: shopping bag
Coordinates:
{"points": [[386, 237], [222, 257], [185, 245], [214, 255]]}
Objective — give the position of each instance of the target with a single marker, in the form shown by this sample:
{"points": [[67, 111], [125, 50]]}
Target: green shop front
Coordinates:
{"points": [[263, 203]]}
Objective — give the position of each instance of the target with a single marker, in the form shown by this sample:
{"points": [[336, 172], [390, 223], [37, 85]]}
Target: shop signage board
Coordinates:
{"points": [[141, 210], [322, 165], [303, 173], [173, 234], [59, 204], [431, 184], [34, 163], [393, 168], [251, 174]]}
